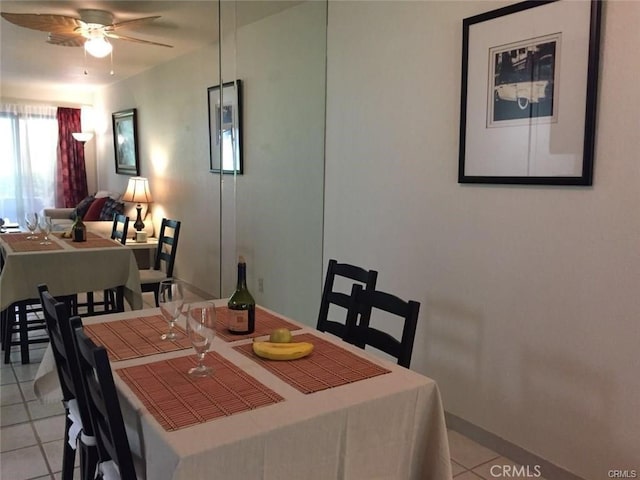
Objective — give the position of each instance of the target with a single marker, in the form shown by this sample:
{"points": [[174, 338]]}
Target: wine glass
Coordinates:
{"points": [[31, 220], [171, 301], [201, 321], [45, 226]]}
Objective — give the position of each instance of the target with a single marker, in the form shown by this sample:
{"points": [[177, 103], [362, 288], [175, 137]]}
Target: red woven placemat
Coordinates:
{"points": [[93, 241], [177, 400], [327, 366], [136, 337], [265, 323], [19, 243]]}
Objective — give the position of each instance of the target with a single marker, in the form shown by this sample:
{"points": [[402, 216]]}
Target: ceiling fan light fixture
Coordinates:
{"points": [[98, 47]]}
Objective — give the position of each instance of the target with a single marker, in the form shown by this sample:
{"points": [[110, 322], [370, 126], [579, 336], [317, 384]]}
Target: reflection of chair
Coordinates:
{"points": [[112, 298], [165, 258], [73, 395], [332, 297], [114, 455], [361, 333]]}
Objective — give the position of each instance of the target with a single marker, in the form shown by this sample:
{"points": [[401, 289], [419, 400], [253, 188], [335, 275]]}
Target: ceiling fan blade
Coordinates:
{"points": [[65, 40], [131, 39], [130, 23], [45, 23]]}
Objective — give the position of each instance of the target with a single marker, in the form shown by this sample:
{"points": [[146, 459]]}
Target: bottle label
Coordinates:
{"points": [[239, 321]]}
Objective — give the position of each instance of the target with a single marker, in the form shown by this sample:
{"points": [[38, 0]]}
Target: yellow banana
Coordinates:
{"points": [[282, 351]]}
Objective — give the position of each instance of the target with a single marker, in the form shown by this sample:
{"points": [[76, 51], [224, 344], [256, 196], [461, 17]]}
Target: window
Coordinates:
{"points": [[28, 144]]}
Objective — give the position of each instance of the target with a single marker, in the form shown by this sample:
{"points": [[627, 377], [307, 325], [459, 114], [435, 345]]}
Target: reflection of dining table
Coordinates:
{"points": [[337, 413], [66, 267]]}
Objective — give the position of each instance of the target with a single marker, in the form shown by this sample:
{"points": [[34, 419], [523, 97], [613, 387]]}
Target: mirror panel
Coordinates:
{"points": [[272, 213]]}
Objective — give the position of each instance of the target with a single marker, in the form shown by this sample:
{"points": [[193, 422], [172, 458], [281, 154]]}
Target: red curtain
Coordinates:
{"points": [[71, 178]]}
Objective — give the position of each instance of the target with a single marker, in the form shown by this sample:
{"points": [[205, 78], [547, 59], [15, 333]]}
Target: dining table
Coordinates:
{"points": [[338, 413], [66, 267]]}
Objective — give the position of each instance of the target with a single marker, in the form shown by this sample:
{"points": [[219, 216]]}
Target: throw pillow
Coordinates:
{"points": [[94, 211], [82, 207], [111, 207]]}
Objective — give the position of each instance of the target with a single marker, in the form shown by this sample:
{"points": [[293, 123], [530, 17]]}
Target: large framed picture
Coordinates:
{"points": [[125, 142], [528, 98], [225, 128]]}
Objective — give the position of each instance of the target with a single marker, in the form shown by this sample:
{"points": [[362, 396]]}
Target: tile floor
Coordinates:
{"points": [[31, 434]]}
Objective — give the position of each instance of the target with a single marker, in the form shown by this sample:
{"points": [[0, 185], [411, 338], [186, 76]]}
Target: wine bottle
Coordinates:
{"points": [[242, 305], [79, 230]]}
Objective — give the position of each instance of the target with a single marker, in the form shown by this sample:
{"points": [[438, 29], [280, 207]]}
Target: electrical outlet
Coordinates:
{"points": [[261, 285]]}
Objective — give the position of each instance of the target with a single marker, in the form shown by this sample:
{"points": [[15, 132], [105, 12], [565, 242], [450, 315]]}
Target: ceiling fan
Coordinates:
{"points": [[92, 30]]}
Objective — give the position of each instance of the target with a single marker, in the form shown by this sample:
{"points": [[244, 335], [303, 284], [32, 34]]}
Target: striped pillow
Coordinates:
{"points": [[111, 207]]}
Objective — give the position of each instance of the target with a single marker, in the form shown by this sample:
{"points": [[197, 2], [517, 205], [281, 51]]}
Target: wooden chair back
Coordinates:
{"points": [[361, 333], [74, 399], [167, 246], [330, 296], [120, 228], [106, 415]]}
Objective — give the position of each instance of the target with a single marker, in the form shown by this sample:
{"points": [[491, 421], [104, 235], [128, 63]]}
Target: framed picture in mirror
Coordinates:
{"points": [[125, 142], [225, 128]]}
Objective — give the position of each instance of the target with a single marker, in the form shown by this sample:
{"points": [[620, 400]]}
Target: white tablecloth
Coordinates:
{"points": [[67, 271], [386, 427]]}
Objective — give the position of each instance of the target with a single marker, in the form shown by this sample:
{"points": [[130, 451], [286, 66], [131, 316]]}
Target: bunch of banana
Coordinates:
{"points": [[282, 351]]}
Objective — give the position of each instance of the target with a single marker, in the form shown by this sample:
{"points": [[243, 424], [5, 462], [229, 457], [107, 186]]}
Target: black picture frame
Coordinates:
{"points": [[528, 100], [231, 132], [125, 142]]}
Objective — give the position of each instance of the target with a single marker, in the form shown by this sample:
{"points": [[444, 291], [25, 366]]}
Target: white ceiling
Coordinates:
{"points": [[28, 60]]}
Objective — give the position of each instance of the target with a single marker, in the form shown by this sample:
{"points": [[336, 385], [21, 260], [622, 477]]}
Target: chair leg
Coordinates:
{"points": [[3, 325], [10, 321], [68, 454], [88, 461], [24, 333], [119, 299], [90, 304], [156, 295]]}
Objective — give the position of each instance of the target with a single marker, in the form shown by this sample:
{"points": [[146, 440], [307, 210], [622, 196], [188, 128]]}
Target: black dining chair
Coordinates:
{"points": [[112, 300], [104, 407], [21, 323], [120, 228], [332, 296], [361, 333], [165, 258], [74, 399]]}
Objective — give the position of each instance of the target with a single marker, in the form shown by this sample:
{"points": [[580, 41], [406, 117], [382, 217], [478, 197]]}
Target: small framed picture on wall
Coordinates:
{"points": [[125, 142]]}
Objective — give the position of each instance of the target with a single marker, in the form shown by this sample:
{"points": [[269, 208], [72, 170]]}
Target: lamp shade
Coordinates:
{"points": [[138, 191], [82, 136]]}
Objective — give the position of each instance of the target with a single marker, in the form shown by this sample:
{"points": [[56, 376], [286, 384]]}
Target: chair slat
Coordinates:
{"points": [[330, 297], [361, 333]]}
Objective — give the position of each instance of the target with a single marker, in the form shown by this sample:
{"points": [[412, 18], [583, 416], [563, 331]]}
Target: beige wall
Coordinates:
{"points": [[530, 305]]}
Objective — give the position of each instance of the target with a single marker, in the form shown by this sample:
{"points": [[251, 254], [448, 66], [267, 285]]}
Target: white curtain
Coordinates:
{"points": [[28, 144]]}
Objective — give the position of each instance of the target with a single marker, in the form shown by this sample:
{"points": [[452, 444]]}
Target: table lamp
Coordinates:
{"points": [[138, 192]]}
